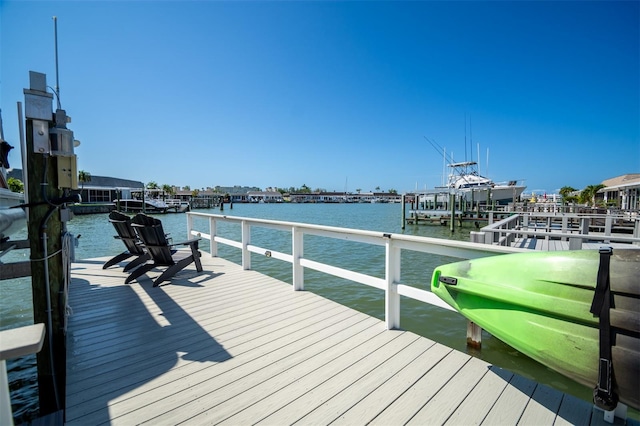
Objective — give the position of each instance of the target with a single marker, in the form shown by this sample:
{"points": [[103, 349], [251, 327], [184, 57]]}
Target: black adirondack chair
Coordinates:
{"points": [[122, 224], [150, 232]]}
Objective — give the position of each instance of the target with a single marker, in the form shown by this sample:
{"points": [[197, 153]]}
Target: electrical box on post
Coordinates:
{"points": [[61, 137], [67, 172]]}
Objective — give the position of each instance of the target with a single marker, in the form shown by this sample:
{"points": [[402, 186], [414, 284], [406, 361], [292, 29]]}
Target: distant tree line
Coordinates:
{"points": [[586, 196], [569, 194]]}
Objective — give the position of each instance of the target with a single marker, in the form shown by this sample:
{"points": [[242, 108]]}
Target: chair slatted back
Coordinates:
{"points": [[122, 224], [150, 231]]}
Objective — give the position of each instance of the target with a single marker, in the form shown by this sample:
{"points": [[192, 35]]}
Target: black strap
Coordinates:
{"points": [[603, 395]]}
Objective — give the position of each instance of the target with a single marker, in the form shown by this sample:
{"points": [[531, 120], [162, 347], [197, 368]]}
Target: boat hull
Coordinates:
{"points": [[539, 303], [498, 194], [137, 206], [9, 198], [12, 221]]}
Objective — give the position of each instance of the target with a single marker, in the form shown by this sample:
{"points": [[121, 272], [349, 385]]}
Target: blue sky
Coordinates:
{"points": [[335, 95]]}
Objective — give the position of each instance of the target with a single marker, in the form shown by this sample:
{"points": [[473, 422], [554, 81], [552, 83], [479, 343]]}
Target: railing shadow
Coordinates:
{"points": [[118, 342]]}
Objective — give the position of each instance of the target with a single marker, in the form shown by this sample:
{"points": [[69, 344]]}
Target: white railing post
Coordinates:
{"points": [[246, 240], [189, 225], [392, 277], [608, 224], [212, 232], [15, 343], [297, 252], [6, 415]]}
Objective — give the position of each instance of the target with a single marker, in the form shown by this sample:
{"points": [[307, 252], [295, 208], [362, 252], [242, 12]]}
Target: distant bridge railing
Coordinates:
{"points": [[394, 244], [571, 227]]}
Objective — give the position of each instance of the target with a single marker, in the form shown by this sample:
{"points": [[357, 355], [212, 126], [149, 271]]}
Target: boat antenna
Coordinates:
{"points": [[444, 166], [470, 140], [439, 150], [465, 137], [55, 35], [487, 171], [1, 129]]}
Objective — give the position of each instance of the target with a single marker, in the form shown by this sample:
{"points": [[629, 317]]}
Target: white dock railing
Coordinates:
{"points": [[572, 227], [394, 244]]}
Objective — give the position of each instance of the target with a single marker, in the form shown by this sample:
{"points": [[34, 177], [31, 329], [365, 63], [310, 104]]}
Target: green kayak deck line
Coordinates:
{"points": [[539, 304]]}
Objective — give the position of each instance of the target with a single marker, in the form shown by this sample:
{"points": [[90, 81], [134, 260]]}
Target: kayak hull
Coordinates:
{"points": [[539, 303]]}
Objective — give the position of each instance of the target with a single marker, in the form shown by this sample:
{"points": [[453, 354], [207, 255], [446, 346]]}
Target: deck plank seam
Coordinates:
{"points": [[253, 352], [280, 353], [316, 320], [119, 366]]}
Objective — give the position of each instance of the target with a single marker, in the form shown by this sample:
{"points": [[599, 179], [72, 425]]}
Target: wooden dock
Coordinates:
{"points": [[237, 347], [543, 244]]}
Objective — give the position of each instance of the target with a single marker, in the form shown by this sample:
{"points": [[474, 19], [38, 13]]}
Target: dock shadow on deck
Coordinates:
{"points": [[238, 347]]}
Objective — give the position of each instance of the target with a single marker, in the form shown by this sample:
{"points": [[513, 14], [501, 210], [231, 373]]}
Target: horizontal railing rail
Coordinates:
{"points": [[394, 244]]}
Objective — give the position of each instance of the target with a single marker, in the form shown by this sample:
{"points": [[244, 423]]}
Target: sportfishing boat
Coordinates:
{"points": [[465, 180], [575, 312]]}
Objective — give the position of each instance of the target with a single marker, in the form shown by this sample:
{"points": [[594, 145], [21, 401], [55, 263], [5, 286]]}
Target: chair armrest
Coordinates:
{"points": [[187, 242]]}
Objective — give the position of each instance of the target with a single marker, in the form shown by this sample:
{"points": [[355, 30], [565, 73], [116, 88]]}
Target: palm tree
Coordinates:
{"points": [[566, 191], [305, 189], [167, 189], [588, 194], [84, 177]]}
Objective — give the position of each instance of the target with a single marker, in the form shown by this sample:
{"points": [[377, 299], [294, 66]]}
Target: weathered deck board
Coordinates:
{"points": [[237, 347]]}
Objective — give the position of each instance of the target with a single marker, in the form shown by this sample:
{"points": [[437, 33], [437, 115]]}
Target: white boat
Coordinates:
{"points": [[9, 198], [464, 180], [11, 219], [134, 205], [177, 205]]}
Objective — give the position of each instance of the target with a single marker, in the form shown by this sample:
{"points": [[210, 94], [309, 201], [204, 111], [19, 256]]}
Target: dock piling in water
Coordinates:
{"points": [[404, 210]]}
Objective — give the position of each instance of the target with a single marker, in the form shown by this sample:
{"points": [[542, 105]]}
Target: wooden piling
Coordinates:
{"points": [[404, 210], [474, 335], [452, 205], [45, 229]]}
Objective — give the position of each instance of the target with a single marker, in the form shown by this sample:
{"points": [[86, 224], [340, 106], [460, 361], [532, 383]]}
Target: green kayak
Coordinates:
{"points": [[539, 303]]}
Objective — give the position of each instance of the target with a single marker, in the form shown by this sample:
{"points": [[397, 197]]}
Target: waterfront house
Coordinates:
{"points": [[264, 197], [345, 197], [100, 189], [622, 192]]}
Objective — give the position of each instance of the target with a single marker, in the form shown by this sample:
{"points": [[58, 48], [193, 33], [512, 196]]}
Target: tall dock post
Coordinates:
{"points": [[45, 229], [404, 210], [452, 206], [51, 166]]}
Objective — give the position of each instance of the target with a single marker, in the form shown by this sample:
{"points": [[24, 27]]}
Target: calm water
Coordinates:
{"points": [[445, 327]]}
